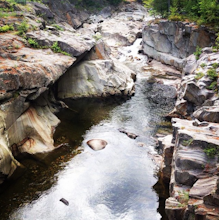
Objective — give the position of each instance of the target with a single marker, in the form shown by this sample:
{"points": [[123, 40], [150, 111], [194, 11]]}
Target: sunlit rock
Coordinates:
{"points": [[32, 132], [95, 79], [97, 144]]}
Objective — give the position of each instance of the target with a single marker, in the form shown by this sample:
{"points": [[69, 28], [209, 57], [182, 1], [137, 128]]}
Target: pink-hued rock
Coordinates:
{"points": [[97, 144]]}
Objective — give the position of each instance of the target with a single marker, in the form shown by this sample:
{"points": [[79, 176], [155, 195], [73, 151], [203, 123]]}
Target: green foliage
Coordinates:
{"points": [[187, 142], [6, 28], [183, 198], [213, 86], [199, 75], [212, 74], [56, 49], [22, 28], [211, 150], [97, 36], [203, 65], [33, 43], [57, 27], [216, 47], [6, 14], [201, 11], [215, 65], [198, 52]]}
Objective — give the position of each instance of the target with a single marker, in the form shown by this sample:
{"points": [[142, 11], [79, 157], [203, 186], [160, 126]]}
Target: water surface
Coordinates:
{"points": [[115, 183]]}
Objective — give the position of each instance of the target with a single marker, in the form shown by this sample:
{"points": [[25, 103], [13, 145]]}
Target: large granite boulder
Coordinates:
{"points": [[32, 132], [75, 44], [95, 79], [171, 42], [25, 73]]}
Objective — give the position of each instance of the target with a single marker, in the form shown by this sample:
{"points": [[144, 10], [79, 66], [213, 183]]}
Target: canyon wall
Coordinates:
{"points": [[171, 42]]}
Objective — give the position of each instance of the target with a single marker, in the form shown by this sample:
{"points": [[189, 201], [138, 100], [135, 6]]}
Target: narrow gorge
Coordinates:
{"points": [[138, 86]]}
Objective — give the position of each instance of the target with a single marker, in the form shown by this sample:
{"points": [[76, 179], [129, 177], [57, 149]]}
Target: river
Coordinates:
{"points": [[116, 183]]}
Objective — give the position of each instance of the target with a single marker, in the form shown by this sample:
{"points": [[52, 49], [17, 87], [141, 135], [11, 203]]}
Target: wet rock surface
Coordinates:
{"points": [[97, 144]]}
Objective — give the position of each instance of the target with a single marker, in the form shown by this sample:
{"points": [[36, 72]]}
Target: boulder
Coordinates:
{"points": [[167, 147], [97, 144], [96, 78], [129, 134], [25, 74], [75, 44], [171, 42], [207, 113], [32, 132], [174, 209]]}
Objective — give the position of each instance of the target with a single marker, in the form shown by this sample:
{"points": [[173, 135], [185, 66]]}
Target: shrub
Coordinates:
{"points": [[203, 65], [211, 150], [212, 74], [6, 28], [198, 52], [213, 86], [199, 75], [22, 28], [33, 43], [56, 49], [58, 27], [215, 65]]}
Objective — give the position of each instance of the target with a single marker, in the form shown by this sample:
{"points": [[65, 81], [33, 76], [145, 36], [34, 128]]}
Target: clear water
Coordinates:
{"points": [[115, 183]]}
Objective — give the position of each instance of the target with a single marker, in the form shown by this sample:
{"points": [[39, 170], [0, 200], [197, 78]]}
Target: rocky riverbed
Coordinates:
{"points": [[69, 53]]}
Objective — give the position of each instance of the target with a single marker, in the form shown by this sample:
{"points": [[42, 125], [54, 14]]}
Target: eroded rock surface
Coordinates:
{"points": [[96, 78], [171, 42]]}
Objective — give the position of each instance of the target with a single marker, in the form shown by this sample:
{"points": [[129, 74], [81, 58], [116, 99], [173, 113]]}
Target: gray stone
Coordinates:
{"points": [[96, 78]]}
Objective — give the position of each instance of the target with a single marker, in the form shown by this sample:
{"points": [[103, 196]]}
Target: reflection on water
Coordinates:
{"points": [[115, 183]]}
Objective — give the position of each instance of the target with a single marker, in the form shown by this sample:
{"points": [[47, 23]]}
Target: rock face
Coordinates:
{"points": [[96, 78], [194, 188], [171, 42], [32, 132]]}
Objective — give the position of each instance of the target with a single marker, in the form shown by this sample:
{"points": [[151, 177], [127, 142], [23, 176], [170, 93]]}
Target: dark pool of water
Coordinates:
{"points": [[119, 182]]}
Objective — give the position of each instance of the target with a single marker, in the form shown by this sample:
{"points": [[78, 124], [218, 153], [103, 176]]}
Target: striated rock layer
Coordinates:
{"points": [[191, 162], [171, 42]]}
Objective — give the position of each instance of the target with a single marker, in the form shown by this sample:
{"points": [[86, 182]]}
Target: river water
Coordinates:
{"points": [[119, 182], [114, 183]]}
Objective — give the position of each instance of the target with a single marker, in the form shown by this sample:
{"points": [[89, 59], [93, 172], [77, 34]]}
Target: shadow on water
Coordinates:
{"points": [[121, 188]]}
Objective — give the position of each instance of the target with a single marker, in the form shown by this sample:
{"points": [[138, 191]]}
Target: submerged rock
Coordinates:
{"points": [[66, 202], [129, 134], [97, 144]]}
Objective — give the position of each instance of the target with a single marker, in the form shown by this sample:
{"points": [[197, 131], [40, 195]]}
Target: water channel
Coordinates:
{"points": [[116, 183]]}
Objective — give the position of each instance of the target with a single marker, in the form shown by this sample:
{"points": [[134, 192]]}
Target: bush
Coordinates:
{"points": [[212, 74], [58, 27], [203, 65], [33, 43], [213, 86], [198, 52], [199, 75], [56, 49], [215, 65], [22, 28], [6, 28]]}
